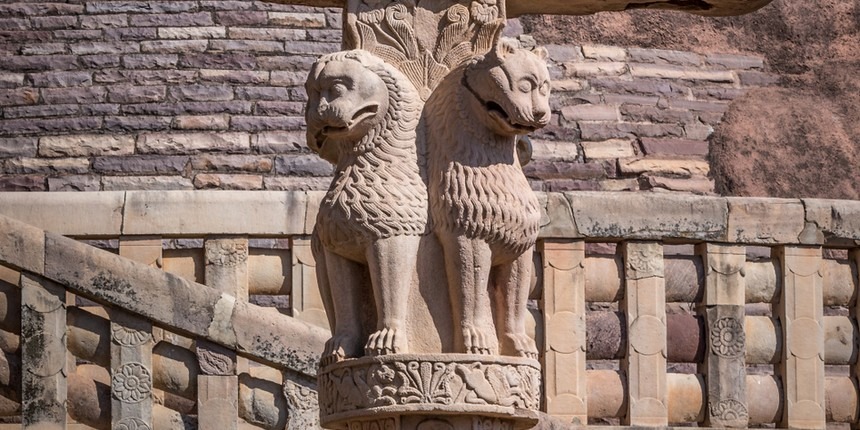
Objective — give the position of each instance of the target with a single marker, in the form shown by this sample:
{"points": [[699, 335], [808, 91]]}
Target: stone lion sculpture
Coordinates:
{"points": [[482, 208], [362, 115]]}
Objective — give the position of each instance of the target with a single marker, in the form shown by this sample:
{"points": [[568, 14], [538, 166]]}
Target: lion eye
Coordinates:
{"points": [[525, 86], [544, 88], [338, 90]]}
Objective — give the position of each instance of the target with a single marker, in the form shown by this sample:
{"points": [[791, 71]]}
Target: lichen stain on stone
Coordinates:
{"points": [[107, 285], [283, 355]]}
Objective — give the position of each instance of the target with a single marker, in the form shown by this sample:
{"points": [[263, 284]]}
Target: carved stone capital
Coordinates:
{"points": [[403, 385]]}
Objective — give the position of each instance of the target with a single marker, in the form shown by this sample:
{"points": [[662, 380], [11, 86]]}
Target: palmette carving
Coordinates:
{"points": [[131, 424], [362, 115], [482, 208], [400, 33], [425, 381]]}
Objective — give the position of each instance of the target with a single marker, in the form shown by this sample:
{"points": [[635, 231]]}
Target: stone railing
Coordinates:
{"points": [[651, 309]]}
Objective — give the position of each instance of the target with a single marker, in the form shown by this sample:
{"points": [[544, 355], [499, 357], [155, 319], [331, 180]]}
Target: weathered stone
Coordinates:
{"points": [[141, 165], [669, 215], [234, 76], [150, 61], [212, 32], [610, 130], [48, 166], [22, 245], [676, 72], [604, 53], [765, 220], [693, 184], [247, 163], [74, 183], [152, 183], [236, 17], [652, 146], [202, 122], [170, 143], [85, 145], [672, 166], [136, 123], [613, 148], [302, 165], [67, 213], [594, 69], [586, 112], [664, 56], [22, 183], [201, 92], [275, 213], [18, 147], [218, 60], [228, 181], [833, 219], [20, 96], [174, 46]]}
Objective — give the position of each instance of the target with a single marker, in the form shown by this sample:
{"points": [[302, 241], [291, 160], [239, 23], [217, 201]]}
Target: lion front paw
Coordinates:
{"points": [[388, 340], [519, 345], [340, 347], [478, 341]]}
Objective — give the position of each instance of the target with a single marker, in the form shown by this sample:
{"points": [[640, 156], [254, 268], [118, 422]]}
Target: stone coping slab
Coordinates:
{"points": [[597, 216]]}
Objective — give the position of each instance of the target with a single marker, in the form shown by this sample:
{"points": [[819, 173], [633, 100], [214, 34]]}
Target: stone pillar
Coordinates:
{"points": [[303, 403], [801, 312], [723, 307], [143, 249], [645, 305], [43, 353], [305, 299], [131, 371], [854, 259], [218, 386], [227, 266], [564, 330]]}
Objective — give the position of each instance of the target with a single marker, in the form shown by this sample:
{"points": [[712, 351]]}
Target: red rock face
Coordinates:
{"points": [[794, 143]]}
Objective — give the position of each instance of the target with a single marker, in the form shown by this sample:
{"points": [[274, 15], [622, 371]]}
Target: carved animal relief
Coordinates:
{"points": [[362, 115], [422, 124]]}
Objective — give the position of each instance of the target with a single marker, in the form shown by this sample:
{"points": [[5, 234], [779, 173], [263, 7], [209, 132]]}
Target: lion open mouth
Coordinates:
{"points": [[496, 112]]}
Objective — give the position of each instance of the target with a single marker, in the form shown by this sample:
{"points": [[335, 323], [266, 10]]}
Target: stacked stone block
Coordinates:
{"points": [[205, 94]]}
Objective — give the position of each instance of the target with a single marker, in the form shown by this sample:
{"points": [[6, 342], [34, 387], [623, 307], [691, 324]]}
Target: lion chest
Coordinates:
{"points": [[366, 203], [493, 203]]}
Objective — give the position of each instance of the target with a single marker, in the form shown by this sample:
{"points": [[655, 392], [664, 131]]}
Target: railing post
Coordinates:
{"points": [[801, 312], [43, 353], [564, 330], [305, 299], [724, 366], [854, 259], [645, 305], [131, 371], [218, 385]]}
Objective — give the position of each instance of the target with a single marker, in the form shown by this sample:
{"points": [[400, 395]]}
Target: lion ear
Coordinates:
{"points": [[505, 47], [541, 52]]}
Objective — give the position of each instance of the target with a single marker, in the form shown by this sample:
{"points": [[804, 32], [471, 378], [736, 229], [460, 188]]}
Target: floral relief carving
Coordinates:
{"points": [[215, 363], [127, 336], [729, 410], [486, 423], [131, 424], [646, 261], [226, 253], [419, 381], [131, 383], [727, 337], [380, 424]]}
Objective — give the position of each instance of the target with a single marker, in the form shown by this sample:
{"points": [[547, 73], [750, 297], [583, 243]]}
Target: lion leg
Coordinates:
{"points": [[467, 263], [392, 263], [344, 284], [322, 278], [512, 282]]}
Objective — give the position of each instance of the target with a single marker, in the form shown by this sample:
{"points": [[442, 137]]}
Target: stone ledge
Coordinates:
{"points": [[611, 216]]}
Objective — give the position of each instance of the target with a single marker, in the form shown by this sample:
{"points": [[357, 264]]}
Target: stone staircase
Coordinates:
{"points": [[173, 310]]}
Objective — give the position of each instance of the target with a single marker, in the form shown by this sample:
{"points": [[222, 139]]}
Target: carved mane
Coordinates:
{"points": [[377, 189]]}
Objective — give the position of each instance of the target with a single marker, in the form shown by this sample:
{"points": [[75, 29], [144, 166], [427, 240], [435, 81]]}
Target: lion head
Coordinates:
{"points": [[511, 88], [347, 98]]}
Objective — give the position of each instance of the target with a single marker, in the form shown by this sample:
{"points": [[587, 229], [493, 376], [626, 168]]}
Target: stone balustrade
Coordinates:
{"points": [[649, 309]]}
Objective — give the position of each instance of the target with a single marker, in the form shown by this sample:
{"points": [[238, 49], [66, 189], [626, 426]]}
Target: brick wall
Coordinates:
{"points": [[115, 95]]}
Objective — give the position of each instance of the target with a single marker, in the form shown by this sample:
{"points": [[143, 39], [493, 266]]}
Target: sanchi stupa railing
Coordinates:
{"points": [[650, 309]]}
